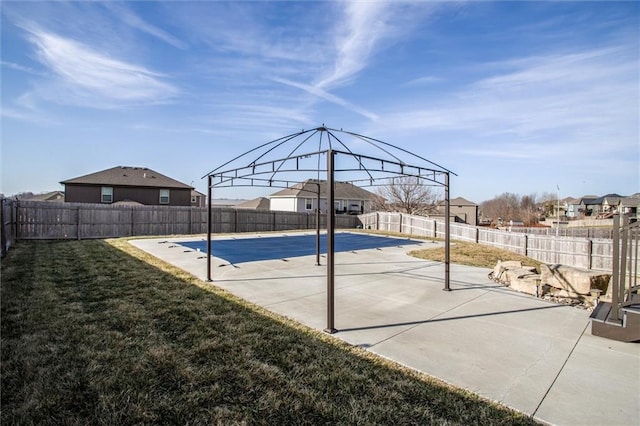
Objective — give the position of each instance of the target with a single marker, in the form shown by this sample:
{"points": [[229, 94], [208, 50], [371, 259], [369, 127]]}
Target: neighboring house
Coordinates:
{"points": [[461, 210], [589, 206], [607, 204], [260, 203], [572, 207], [130, 184], [610, 204], [198, 199], [226, 202], [303, 197], [630, 206], [49, 196]]}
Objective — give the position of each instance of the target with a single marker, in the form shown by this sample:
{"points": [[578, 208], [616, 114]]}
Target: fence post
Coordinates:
{"points": [[18, 220], [400, 224], [78, 222], [477, 235], [235, 220], [589, 254], [132, 222], [526, 245], [3, 231]]}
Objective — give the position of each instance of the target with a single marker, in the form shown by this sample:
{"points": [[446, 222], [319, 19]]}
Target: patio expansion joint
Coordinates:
{"points": [[429, 320], [555, 379]]}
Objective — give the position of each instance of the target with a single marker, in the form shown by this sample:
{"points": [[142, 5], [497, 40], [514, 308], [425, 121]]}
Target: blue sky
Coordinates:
{"points": [[519, 97]]}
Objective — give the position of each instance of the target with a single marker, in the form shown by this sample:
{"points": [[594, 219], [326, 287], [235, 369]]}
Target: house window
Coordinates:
{"points": [[106, 194], [193, 199], [164, 196], [308, 203]]}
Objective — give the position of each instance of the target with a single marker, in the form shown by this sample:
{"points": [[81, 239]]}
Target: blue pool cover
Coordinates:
{"points": [[282, 247]]}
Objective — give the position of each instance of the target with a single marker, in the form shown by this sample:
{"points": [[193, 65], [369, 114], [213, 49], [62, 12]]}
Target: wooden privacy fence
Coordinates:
{"points": [[595, 253], [51, 221], [606, 232], [7, 224]]}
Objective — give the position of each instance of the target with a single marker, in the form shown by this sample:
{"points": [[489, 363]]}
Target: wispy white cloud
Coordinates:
{"points": [[22, 68], [425, 80], [317, 91], [365, 25], [574, 105], [94, 78], [28, 116], [130, 18]]}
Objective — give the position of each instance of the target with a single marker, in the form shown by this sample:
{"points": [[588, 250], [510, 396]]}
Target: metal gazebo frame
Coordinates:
{"points": [[260, 171]]}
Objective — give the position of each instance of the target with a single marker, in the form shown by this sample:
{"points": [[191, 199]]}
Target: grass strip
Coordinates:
{"points": [[463, 252], [473, 254], [98, 332]]}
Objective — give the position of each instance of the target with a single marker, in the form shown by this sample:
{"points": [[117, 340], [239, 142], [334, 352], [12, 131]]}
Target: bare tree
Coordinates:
{"points": [[508, 206], [408, 195], [529, 209], [548, 201], [502, 208]]}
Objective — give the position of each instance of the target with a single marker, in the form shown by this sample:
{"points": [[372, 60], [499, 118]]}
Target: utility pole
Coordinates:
{"points": [[558, 212]]}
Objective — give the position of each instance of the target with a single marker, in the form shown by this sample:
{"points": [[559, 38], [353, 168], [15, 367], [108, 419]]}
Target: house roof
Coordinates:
{"points": [[260, 203], [48, 196], [459, 201], [630, 201], [128, 176], [309, 188], [609, 197]]}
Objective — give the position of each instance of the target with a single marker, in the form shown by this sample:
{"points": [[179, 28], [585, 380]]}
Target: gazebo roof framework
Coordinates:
{"points": [[285, 161]]}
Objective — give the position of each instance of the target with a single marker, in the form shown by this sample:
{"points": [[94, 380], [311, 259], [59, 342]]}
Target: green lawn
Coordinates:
{"points": [[97, 332]]}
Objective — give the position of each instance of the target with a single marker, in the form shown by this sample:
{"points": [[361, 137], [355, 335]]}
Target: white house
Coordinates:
{"points": [[303, 197]]}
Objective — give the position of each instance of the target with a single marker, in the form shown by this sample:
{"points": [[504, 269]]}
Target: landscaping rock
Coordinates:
{"points": [[574, 282], [501, 267], [520, 278], [523, 280]]}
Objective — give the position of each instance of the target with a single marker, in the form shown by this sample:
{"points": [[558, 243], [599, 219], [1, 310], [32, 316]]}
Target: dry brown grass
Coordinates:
{"points": [[463, 252], [473, 254]]}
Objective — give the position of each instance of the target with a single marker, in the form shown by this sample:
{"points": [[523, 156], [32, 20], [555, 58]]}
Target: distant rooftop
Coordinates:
{"points": [[127, 176]]}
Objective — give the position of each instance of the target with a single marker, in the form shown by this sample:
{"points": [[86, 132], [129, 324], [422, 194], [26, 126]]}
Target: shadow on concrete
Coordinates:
{"points": [[462, 317]]}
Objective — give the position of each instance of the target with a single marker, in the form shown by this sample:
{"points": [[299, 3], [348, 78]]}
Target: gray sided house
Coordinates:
{"points": [[630, 206], [302, 197], [572, 207], [461, 210], [198, 199], [131, 184]]}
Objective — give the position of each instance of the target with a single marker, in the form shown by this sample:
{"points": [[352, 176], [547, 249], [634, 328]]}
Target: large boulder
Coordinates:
{"points": [[521, 278], [501, 267], [573, 282]]}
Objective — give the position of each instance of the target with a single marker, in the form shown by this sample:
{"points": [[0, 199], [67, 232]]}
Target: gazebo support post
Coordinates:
{"points": [[447, 235], [209, 226], [330, 244], [318, 227]]}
